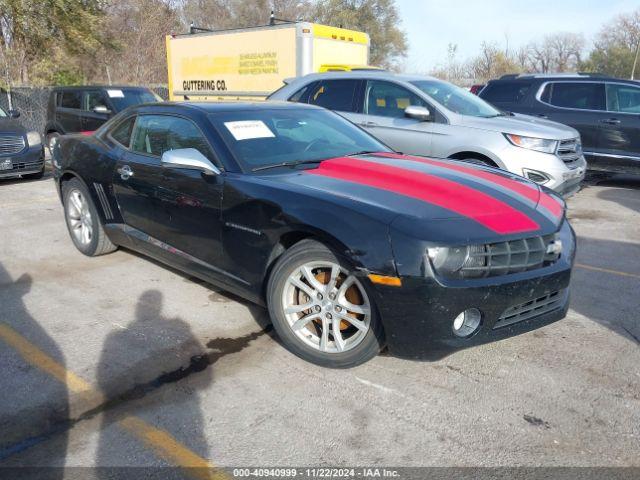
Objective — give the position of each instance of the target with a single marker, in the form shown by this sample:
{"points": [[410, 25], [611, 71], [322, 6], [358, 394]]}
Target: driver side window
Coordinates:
{"points": [[386, 99], [155, 134]]}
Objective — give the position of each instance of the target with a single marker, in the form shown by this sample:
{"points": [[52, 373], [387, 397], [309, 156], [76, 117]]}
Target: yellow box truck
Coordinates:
{"points": [[250, 63]]}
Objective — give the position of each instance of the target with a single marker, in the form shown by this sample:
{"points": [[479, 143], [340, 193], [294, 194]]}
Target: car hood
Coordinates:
{"points": [[415, 193], [524, 125], [10, 125]]}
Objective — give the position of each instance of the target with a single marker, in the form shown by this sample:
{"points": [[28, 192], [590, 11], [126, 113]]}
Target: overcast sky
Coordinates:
{"points": [[432, 24]]}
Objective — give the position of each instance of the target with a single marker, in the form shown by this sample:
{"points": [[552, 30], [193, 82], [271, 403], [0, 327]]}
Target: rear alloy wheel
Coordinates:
{"points": [[83, 222], [321, 310], [52, 138]]}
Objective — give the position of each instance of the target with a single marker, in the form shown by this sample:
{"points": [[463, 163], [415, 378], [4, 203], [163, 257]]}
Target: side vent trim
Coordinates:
{"points": [[104, 201]]}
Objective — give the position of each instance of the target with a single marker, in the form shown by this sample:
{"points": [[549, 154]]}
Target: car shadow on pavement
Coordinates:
{"points": [[48, 175], [626, 197], [33, 404], [135, 362], [151, 352], [605, 285], [260, 314]]}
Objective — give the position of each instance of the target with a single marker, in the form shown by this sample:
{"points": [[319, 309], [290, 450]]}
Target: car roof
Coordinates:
{"points": [[359, 74], [99, 87], [212, 107], [573, 77]]}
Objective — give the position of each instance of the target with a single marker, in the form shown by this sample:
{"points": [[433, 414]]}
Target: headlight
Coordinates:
{"points": [[34, 139], [450, 261], [538, 144], [494, 259]]}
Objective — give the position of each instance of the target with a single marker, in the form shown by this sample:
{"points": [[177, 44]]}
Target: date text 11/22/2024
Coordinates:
{"points": [[361, 472]]}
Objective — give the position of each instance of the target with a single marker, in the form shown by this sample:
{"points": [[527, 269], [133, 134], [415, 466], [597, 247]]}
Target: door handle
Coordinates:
{"points": [[611, 121], [125, 172], [542, 115], [369, 124]]}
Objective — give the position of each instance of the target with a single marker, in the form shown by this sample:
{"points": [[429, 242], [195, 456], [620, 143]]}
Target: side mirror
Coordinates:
{"points": [[418, 113], [188, 158], [14, 113], [101, 109]]}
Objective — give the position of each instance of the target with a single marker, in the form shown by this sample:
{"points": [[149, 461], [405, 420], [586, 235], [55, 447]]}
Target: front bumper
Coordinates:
{"points": [[418, 316], [563, 178], [29, 161]]}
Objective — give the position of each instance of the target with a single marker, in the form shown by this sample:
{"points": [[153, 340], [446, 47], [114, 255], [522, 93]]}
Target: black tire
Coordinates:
{"points": [[313, 251], [99, 243]]}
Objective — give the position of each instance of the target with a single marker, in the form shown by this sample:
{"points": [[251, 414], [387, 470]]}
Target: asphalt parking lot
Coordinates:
{"points": [[120, 361]]}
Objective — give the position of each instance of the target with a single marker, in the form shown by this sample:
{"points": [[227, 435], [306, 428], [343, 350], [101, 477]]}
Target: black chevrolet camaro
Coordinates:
{"points": [[350, 246]]}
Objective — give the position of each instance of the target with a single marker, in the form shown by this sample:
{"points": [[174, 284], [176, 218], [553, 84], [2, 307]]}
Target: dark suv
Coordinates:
{"points": [[86, 108], [605, 110], [21, 151]]}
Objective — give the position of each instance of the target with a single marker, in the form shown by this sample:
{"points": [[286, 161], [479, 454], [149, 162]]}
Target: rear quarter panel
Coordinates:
{"points": [[90, 160]]}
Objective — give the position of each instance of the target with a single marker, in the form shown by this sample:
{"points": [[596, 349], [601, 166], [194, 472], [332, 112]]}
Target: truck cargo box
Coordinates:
{"points": [[250, 63]]}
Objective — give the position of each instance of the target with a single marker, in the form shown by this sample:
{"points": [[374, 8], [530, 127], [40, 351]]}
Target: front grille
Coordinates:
{"points": [[569, 151], [515, 256], [27, 166], [11, 144], [532, 308]]}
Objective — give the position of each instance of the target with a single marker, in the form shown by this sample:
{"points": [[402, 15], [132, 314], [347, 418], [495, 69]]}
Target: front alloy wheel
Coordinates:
{"points": [[326, 307], [321, 310]]}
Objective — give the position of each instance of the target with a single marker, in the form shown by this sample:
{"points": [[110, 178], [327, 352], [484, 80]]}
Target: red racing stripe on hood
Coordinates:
{"points": [[484, 209], [530, 192]]}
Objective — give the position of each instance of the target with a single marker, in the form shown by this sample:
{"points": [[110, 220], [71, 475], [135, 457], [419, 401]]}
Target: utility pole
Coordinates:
{"points": [[635, 61]]}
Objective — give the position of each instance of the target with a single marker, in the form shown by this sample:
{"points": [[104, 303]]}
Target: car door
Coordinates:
{"points": [[383, 116], [580, 105], [138, 176], [621, 129], [190, 199], [94, 101], [69, 110]]}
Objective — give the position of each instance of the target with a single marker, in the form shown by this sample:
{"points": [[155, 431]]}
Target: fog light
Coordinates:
{"points": [[467, 323], [535, 176]]}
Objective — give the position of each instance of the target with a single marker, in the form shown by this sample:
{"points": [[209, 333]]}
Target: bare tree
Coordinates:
{"points": [[558, 52], [616, 47], [136, 54], [491, 62]]}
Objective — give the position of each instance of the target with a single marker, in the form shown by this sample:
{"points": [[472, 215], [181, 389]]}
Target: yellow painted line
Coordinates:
{"points": [[607, 270], [161, 441], [169, 448], [44, 362]]}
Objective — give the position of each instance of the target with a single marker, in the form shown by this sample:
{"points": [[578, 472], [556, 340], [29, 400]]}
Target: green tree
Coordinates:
{"points": [[616, 47], [378, 18]]}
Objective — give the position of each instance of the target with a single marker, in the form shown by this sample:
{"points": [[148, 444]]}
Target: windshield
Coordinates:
{"points": [[259, 138], [2, 113], [456, 99], [122, 98]]}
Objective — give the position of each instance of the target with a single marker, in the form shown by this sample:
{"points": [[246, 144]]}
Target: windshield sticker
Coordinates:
{"points": [[249, 129], [115, 93]]}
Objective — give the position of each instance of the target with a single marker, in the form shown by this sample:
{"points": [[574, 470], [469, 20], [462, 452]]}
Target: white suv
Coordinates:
{"points": [[425, 116]]}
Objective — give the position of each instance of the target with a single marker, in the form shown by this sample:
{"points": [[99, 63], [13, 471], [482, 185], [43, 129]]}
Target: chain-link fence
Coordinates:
{"points": [[31, 102]]}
